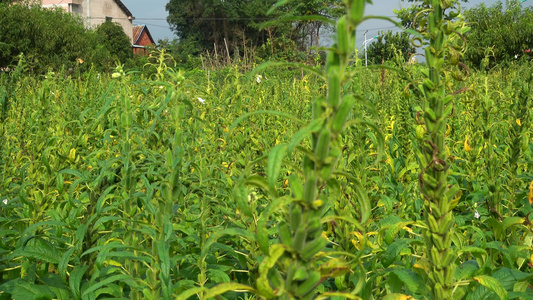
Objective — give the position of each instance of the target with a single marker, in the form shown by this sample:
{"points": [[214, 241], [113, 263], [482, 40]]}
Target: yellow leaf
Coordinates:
{"points": [[530, 195], [518, 122], [114, 263], [467, 146]]}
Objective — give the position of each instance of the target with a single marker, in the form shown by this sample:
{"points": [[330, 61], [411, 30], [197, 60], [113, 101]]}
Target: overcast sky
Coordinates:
{"points": [[153, 14]]}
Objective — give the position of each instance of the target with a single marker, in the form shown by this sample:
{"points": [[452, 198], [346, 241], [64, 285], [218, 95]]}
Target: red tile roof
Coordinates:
{"points": [[137, 33]]}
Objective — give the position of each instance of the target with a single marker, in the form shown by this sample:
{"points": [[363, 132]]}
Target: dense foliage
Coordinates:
{"points": [[46, 37], [390, 47], [233, 26], [116, 42], [51, 39], [499, 35], [289, 182]]}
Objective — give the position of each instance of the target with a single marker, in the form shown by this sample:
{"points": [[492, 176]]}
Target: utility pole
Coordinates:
{"points": [[365, 43]]}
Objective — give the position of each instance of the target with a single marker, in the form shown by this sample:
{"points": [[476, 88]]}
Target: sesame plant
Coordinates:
{"points": [[333, 181]]}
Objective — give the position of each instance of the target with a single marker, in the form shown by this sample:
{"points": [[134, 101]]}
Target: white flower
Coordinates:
{"points": [[258, 78], [476, 214], [5, 201], [201, 100]]}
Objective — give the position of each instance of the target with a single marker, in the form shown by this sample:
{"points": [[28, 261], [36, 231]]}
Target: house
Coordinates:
{"points": [[96, 12], [141, 39]]}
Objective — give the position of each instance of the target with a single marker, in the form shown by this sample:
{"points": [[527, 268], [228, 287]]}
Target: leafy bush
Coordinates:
{"points": [[498, 35], [48, 38], [112, 37]]}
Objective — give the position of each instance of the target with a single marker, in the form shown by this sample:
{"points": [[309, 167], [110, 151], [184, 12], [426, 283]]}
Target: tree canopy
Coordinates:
{"points": [[497, 34], [389, 46], [205, 24]]}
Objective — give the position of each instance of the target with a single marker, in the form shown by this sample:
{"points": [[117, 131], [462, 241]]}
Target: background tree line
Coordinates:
{"points": [[53, 39]]}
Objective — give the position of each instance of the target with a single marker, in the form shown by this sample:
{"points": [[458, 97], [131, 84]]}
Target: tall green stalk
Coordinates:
{"points": [[444, 45]]}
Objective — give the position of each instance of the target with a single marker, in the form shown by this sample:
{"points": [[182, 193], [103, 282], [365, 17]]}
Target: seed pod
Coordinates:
{"points": [[333, 61], [308, 165], [314, 225], [285, 235], [301, 274], [434, 255], [342, 36], [439, 291], [322, 147], [299, 239], [447, 223], [428, 84], [432, 223], [318, 108], [450, 272], [334, 87], [357, 12], [342, 112], [310, 188], [449, 258], [296, 216], [430, 114], [437, 241], [309, 284], [313, 247]]}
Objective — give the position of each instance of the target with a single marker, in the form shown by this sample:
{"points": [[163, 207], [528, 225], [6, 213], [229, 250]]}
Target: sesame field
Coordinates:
{"points": [[326, 181]]}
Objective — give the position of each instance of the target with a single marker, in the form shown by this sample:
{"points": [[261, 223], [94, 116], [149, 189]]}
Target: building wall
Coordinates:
{"points": [[101, 9], [73, 6]]}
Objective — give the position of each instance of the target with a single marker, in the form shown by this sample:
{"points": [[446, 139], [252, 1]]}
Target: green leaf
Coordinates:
{"points": [[410, 279], [466, 270], [105, 282], [228, 231], [263, 284], [392, 252], [278, 65], [63, 263], [509, 277], [26, 290], [364, 202], [42, 250], [259, 112], [314, 126], [225, 287], [75, 280], [510, 221], [240, 194], [492, 284], [275, 158]]}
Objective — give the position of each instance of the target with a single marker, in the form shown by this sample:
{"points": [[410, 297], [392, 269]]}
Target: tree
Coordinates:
{"points": [[47, 38], [497, 35], [205, 24], [113, 38], [408, 14], [388, 46]]}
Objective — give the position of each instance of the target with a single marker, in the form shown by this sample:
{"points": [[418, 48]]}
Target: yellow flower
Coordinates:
{"points": [[518, 122], [467, 146], [530, 195]]}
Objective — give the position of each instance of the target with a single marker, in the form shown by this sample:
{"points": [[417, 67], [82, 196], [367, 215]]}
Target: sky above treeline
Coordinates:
{"points": [[153, 14]]}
